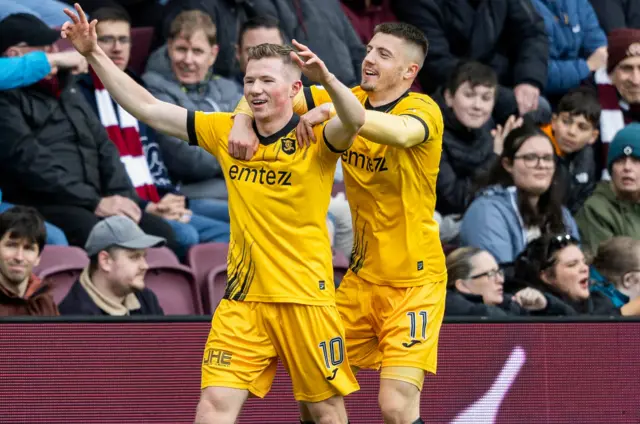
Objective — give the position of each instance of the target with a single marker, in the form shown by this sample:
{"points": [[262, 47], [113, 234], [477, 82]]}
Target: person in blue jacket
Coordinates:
{"points": [[521, 199], [22, 71], [577, 43]]}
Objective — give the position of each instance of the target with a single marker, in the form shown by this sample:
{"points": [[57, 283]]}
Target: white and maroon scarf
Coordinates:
{"points": [[123, 132], [613, 117]]}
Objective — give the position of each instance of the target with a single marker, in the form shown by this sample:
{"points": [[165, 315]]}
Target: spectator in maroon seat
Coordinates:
{"points": [[54, 153], [619, 87], [22, 238], [113, 283], [508, 35]]}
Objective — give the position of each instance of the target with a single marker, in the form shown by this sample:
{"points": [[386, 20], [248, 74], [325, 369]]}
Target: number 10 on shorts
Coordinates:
{"points": [[333, 352]]}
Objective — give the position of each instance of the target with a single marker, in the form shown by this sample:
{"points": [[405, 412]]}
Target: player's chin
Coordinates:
{"points": [[367, 86]]}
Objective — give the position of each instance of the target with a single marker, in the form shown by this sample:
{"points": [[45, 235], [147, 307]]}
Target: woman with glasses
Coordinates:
{"points": [[556, 266], [615, 270], [475, 288], [520, 199]]}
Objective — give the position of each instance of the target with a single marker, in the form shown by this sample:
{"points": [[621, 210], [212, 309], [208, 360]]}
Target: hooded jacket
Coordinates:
{"points": [[604, 216], [466, 154], [214, 94], [493, 223]]}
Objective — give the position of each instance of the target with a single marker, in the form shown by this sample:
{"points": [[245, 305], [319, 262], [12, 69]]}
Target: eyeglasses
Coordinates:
{"points": [[532, 160], [492, 274], [110, 39]]}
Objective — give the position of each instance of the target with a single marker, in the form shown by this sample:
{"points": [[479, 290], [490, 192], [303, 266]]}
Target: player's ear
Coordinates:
{"points": [[411, 72], [296, 86]]}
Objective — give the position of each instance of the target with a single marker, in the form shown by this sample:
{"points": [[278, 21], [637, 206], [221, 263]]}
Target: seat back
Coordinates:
{"points": [[141, 39], [60, 267], [214, 288], [202, 258], [176, 290]]}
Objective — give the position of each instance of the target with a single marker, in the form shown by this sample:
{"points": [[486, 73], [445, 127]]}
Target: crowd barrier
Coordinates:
{"points": [[127, 371]]}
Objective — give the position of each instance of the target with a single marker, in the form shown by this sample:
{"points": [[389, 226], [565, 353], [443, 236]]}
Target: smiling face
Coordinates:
{"points": [[472, 105], [269, 87], [626, 78], [533, 165], [389, 61], [192, 57], [18, 257]]}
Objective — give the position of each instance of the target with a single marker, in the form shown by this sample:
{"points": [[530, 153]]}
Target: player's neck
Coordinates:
{"points": [[268, 127], [380, 98]]}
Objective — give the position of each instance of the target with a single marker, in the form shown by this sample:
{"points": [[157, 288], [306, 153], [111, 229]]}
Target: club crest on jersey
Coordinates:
{"points": [[289, 145]]}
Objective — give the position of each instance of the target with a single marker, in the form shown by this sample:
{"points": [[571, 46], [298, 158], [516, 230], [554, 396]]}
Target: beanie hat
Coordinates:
{"points": [[623, 43], [625, 143]]}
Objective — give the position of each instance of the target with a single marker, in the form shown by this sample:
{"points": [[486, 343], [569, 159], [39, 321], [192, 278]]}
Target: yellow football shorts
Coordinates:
{"points": [[247, 338], [392, 326]]}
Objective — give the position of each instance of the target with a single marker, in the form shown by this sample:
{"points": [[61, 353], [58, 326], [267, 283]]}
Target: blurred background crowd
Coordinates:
{"points": [[538, 195]]}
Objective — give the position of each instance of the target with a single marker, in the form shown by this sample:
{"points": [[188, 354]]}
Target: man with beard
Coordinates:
{"points": [[392, 298]]}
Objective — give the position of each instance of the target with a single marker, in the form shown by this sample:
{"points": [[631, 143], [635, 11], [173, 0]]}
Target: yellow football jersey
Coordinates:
{"points": [[392, 196], [278, 202]]}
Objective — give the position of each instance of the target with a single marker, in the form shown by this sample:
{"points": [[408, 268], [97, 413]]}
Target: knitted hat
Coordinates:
{"points": [[623, 43], [625, 143]]}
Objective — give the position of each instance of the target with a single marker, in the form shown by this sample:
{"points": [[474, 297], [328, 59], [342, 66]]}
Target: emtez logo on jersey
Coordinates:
{"points": [[260, 176], [364, 162]]}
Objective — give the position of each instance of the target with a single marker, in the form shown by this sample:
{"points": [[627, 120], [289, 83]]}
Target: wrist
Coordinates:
{"points": [[329, 79]]}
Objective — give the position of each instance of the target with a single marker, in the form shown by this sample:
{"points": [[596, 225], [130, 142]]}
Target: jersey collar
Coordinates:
{"points": [[291, 125], [388, 106]]}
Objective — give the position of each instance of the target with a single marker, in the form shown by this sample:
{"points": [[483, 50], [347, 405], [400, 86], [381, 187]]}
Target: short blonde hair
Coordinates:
{"points": [[189, 22], [278, 51]]}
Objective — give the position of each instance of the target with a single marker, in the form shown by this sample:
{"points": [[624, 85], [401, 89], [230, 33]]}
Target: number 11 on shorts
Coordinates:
{"points": [[413, 327]]}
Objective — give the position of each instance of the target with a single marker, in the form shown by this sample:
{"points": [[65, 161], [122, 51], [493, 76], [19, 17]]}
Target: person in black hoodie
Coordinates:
{"points": [[468, 147], [508, 35], [556, 265], [475, 288], [113, 283]]}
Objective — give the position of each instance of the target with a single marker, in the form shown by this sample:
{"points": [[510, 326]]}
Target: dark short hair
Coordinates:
{"points": [[475, 73], [111, 13], [263, 21], [582, 101], [23, 222], [407, 32]]}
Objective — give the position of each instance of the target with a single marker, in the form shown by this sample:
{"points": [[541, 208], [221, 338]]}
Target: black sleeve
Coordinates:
{"points": [[427, 15], [191, 128], [531, 49], [25, 159], [329, 145]]}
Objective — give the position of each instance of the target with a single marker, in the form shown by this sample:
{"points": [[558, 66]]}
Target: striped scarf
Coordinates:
{"points": [[122, 129], [614, 114]]}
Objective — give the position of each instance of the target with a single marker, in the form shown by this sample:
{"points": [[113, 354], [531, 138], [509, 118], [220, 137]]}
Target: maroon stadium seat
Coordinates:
{"points": [[204, 257], [173, 283], [60, 267], [141, 39], [213, 290]]}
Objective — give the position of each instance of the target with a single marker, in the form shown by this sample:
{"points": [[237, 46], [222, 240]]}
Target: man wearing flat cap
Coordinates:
{"points": [[619, 85], [55, 155], [113, 283]]}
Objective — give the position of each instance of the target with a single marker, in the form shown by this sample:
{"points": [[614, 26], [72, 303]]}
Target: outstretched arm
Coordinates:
{"points": [[164, 117]]}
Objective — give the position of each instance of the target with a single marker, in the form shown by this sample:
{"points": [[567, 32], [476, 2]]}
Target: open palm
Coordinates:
{"points": [[79, 32]]}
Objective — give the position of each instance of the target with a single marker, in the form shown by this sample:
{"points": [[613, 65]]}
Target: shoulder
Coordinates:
{"points": [[149, 300], [155, 81]]}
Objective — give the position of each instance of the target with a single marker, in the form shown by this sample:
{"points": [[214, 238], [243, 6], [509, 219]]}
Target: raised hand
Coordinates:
{"points": [[81, 33], [310, 64]]}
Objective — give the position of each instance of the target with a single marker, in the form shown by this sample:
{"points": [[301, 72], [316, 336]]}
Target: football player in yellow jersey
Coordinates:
{"points": [[280, 299], [392, 299]]}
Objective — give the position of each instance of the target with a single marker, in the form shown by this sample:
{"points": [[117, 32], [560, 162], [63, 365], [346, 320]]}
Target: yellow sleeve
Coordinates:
{"points": [[306, 99], [209, 130], [425, 110]]}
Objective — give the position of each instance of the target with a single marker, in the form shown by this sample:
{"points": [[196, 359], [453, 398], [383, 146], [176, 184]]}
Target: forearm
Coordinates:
{"points": [[125, 91], [346, 104], [392, 130]]}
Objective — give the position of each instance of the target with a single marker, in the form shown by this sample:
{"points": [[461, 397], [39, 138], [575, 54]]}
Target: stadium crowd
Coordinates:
{"points": [[538, 193]]}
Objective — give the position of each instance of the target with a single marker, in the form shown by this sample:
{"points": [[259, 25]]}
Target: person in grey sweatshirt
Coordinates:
{"points": [[520, 200], [181, 72]]}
